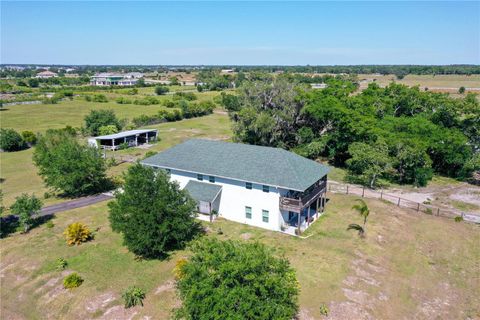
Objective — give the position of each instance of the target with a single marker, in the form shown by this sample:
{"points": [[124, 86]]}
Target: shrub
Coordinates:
{"points": [[161, 90], [324, 310], [10, 140], [72, 281], [76, 233], [100, 98], [50, 224], [61, 264], [461, 90], [237, 280], [458, 219], [123, 146], [428, 211], [169, 104], [123, 100], [146, 101], [189, 96], [29, 137], [88, 98], [133, 296]]}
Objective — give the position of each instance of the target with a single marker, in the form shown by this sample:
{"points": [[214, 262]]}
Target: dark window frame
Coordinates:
{"points": [[211, 179], [249, 185], [267, 217], [248, 215], [199, 177], [266, 188]]}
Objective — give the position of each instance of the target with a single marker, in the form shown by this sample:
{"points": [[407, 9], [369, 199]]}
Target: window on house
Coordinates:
{"points": [[200, 177], [211, 179], [266, 189], [265, 215], [168, 170], [248, 212], [248, 185]]}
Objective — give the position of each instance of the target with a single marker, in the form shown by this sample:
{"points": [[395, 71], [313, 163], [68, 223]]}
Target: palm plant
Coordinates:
{"points": [[363, 210]]}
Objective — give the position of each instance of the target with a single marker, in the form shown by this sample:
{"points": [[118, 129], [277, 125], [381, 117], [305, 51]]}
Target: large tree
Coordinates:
{"points": [[100, 118], [152, 213], [268, 114], [236, 280], [69, 166], [368, 161]]}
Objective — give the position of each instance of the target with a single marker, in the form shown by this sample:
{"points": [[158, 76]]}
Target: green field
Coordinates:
{"points": [[404, 269], [18, 172]]}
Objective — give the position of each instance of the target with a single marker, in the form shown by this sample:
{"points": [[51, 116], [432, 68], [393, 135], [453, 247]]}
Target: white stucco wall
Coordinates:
{"points": [[235, 196]]}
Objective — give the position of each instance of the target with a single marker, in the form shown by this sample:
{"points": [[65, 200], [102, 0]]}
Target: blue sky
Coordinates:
{"points": [[248, 33]]}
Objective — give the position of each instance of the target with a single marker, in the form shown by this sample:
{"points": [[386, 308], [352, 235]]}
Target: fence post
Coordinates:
{"points": [[363, 192], [398, 204], [347, 188], [438, 212], [381, 194], [418, 207]]}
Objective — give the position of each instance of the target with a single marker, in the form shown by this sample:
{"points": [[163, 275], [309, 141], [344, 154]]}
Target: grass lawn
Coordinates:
{"points": [[40, 117], [405, 268], [20, 174]]}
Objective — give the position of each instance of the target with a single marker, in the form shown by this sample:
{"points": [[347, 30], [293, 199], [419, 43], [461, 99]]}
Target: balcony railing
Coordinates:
{"points": [[297, 204]]}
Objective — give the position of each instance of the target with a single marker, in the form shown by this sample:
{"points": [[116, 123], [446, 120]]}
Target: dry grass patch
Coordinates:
{"points": [[406, 267]]}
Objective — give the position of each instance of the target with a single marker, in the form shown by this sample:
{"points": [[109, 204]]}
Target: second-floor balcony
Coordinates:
{"points": [[296, 202]]}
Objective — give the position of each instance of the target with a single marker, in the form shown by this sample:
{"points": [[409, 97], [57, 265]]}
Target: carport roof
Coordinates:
{"points": [[202, 191], [124, 134]]}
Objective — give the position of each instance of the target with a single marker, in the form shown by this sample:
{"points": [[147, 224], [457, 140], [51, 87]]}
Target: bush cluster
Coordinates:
{"points": [[71, 281], [147, 101], [76, 233]]}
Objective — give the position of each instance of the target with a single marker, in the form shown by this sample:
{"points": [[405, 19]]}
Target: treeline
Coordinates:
{"points": [[396, 134], [368, 69]]}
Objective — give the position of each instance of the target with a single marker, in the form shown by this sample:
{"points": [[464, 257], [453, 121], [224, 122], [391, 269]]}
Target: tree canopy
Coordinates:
{"points": [[68, 166], [152, 213], [101, 118], [407, 133], [236, 280], [11, 140]]}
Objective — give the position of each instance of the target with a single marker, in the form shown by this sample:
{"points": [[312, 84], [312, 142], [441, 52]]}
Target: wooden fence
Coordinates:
{"points": [[336, 187]]}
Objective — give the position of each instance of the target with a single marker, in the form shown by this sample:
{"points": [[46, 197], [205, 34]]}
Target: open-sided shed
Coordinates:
{"points": [[132, 138]]}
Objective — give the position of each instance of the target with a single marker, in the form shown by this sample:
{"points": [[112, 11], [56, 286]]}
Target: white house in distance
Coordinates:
{"points": [[265, 187], [131, 138], [115, 79], [46, 74]]}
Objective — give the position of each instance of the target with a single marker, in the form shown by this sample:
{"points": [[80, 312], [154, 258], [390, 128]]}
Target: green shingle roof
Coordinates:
{"points": [[202, 191], [262, 165]]}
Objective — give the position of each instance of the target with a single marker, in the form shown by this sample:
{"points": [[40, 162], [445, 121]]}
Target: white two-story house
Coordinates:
{"points": [[265, 187]]}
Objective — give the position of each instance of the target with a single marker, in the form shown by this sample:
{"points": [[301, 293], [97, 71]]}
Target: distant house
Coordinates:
{"points": [[46, 75], [115, 79], [227, 71], [265, 187], [131, 138]]}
